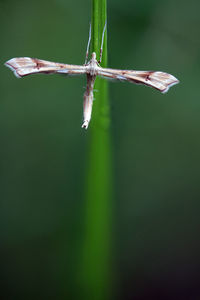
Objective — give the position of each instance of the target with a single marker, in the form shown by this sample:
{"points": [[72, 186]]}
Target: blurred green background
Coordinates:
{"points": [[156, 151]]}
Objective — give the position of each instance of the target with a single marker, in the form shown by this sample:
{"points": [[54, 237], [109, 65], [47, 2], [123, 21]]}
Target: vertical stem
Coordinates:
{"points": [[96, 273]]}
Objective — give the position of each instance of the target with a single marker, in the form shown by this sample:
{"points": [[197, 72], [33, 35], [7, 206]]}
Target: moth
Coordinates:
{"points": [[23, 66]]}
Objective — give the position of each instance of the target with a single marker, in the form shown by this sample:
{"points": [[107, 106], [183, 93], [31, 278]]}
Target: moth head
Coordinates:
{"points": [[94, 56]]}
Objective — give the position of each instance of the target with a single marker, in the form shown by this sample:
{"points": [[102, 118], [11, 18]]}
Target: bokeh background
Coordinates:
{"points": [[156, 151]]}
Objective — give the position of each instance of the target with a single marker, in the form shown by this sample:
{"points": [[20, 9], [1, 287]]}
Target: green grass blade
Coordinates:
{"points": [[96, 272]]}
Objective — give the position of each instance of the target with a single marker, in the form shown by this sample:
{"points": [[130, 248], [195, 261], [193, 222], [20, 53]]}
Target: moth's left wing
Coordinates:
{"points": [[23, 66], [158, 80]]}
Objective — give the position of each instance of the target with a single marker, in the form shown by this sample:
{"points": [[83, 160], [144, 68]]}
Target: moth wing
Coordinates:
{"points": [[159, 80], [23, 66]]}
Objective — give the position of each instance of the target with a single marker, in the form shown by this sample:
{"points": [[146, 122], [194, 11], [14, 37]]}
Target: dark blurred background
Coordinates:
{"points": [[156, 151]]}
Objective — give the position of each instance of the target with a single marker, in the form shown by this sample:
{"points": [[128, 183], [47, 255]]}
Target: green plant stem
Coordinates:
{"points": [[97, 244]]}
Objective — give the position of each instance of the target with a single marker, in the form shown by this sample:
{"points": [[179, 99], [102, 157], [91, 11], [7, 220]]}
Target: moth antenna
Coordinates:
{"points": [[88, 45], [102, 40]]}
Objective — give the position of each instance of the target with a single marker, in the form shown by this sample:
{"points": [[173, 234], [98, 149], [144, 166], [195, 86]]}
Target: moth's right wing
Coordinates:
{"points": [[159, 80], [23, 66]]}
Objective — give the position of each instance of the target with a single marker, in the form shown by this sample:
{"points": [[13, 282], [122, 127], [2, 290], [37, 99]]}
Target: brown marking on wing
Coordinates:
{"points": [[146, 75], [39, 63]]}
